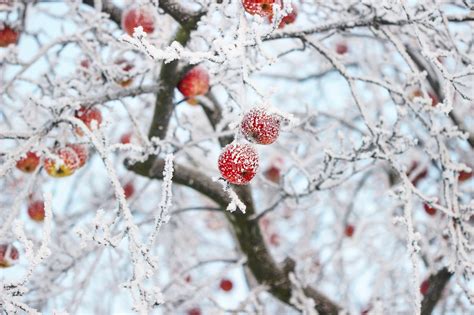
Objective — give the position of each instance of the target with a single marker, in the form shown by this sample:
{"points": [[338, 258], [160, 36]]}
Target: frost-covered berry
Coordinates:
{"points": [[8, 255], [88, 115], [464, 176], [69, 163], [36, 210], [194, 311], [424, 287], [128, 190], [226, 285], [273, 174], [125, 66], [429, 209], [260, 127], [349, 230], [82, 152], [8, 35], [238, 163], [195, 82], [126, 138], [342, 48], [287, 19], [259, 7], [136, 17], [29, 163]]}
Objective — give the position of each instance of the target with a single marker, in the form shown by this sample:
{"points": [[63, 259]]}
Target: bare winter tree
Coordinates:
{"points": [[223, 157]]}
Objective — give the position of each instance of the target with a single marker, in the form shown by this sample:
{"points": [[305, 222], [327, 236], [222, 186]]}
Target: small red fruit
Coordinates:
{"points": [[434, 98], [136, 17], [29, 163], [36, 210], [342, 48], [70, 162], [349, 230], [126, 138], [464, 176], [420, 173], [8, 35], [88, 115], [82, 152], [287, 19], [238, 163], [194, 311], [226, 285], [429, 209], [129, 190], [273, 174], [275, 239], [260, 127], [8, 255], [424, 287], [260, 7], [195, 82], [125, 66]]}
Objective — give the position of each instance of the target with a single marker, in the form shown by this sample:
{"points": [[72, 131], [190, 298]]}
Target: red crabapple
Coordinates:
{"points": [[464, 176], [29, 163], [129, 190], [260, 7], [36, 210], [273, 174], [8, 255], [69, 163], [429, 209], [424, 287], [238, 163], [420, 173], [125, 66], [349, 230], [126, 138], [342, 48], [136, 17], [82, 152], [290, 18], [260, 127], [275, 239], [7, 35], [195, 82], [226, 285], [88, 115], [194, 311]]}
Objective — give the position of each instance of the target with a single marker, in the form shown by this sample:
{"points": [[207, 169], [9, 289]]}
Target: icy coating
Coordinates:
{"points": [[195, 82], [82, 152], [238, 163], [260, 127]]}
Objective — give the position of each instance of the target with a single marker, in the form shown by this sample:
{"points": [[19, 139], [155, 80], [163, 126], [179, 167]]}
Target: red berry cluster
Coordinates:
{"points": [[238, 163]]}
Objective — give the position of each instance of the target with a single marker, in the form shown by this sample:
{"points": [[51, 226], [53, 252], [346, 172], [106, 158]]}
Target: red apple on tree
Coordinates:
{"points": [[260, 127], [424, 287], [429, 209], [259, 7], [29, 163], [136, 17], [290, 18], [129, 190], [69, 162], [126, 138], [88, 115], [8, 255], [125, 66], [464, 176], [349, 230], [194, 83], [82, 152], [342, 48], [273, 174], [36, 210], [194, 311], [238, 163], [8, 35], [226, 285]]}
